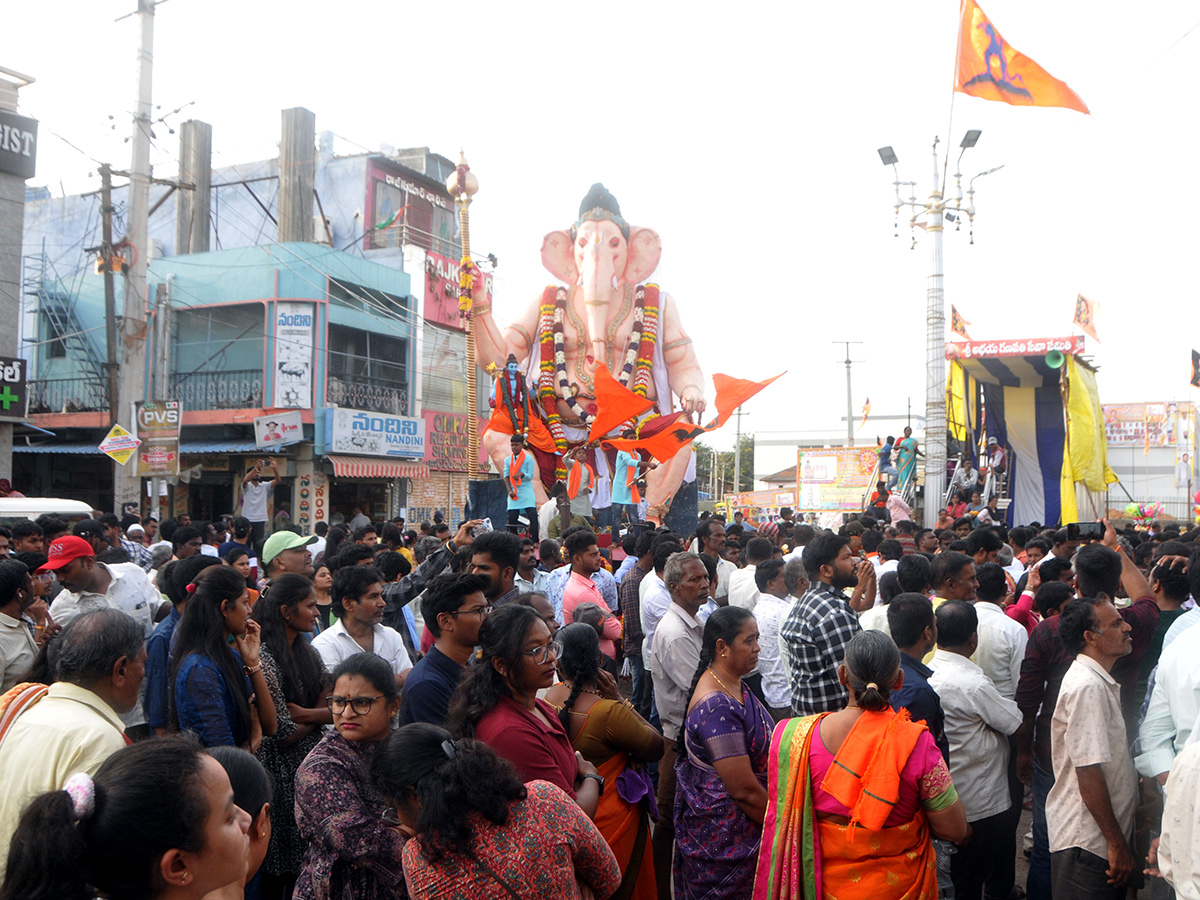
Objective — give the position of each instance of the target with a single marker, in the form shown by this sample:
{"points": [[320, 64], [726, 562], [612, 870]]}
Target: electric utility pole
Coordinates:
{"points": [[849, 396], [127, 486], [111, 366]]}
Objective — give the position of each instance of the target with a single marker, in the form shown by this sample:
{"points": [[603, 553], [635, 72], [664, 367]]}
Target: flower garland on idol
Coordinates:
{"points": [[553, 381]]}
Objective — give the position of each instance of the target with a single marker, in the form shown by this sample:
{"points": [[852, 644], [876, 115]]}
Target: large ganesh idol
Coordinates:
{"points": [[607, 313]]}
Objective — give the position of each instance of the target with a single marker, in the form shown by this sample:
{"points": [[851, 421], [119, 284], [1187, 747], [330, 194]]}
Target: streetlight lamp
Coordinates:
{"points": [[462, 186], [933, 211]]}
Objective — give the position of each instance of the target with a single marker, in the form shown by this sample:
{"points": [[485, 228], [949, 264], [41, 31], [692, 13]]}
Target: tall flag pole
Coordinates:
{"points": [[462, 185], [992, 69]]}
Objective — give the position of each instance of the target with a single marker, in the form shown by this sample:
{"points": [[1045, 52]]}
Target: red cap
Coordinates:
{"points": [[65, 549]]}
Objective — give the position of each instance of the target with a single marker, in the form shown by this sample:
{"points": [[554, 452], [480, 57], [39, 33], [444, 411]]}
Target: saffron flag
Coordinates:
{"points": [[989, 68], [1196, 368], [1085, 316], [615, 404], [866, 411], [958, 324]]}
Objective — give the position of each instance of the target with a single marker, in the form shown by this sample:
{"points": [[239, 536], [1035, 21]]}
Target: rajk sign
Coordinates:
{"points": [[361, 433], [13, 394], [156, 425], [18, 144]]}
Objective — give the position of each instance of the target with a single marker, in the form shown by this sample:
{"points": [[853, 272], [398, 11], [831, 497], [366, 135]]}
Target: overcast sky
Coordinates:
{"points": [[745, 134]]}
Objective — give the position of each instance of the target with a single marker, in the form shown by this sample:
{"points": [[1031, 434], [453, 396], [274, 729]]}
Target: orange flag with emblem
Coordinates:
{"points": [[991, 69], [958, 324], [1085, 315]]}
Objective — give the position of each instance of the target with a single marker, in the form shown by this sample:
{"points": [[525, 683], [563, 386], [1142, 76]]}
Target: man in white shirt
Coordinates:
{"points": [[653, 597], [255, 493], [743, 591], [710, 539], [1178, 848], [529, 577], [773, 607], [1090, 809], [1174, 708], [358, 603], [978, 721], [361, 517], [1002, 639]]}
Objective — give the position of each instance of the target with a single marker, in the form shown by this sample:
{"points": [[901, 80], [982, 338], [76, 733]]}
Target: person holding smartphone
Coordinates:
{"points": [[255, 491]]}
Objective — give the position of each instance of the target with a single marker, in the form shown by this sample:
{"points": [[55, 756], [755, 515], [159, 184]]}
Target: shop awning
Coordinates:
{"points": [[366, 467], [84, 447], [219, 445]]}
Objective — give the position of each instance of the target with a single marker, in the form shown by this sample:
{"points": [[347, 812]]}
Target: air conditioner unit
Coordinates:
{"points": [[319, 234]]}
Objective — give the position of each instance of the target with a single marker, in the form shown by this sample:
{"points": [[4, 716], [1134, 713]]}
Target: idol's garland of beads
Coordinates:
{"points": [[546, 370], [648, 305], [519, 427]]}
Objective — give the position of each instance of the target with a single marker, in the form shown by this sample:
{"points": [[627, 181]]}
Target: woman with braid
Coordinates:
{"points": [[606, 729], [722, 768]]}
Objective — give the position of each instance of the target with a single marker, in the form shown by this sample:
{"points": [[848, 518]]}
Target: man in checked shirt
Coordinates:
{"points": [[821, 624]]}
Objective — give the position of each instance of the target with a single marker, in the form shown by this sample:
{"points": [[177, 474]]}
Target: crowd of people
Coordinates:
{"points": [[754, 709]]}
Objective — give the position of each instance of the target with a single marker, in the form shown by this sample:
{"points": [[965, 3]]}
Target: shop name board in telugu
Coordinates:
{"points": [[375, 434]]}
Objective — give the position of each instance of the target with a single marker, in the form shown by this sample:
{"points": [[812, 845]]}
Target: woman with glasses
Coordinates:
{"points": [[497, 703], [606, 729], [475, 830], [298, 682], [352, 853]]}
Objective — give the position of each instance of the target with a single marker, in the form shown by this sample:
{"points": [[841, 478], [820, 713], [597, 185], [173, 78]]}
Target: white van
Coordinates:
{"points": [[13, 509]]}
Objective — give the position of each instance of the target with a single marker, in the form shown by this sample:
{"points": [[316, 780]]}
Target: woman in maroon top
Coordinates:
{"points": [[497, 703]]}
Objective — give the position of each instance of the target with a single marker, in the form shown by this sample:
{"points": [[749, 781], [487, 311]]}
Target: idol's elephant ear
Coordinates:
{"points": [[645, 250], [558, 256]]}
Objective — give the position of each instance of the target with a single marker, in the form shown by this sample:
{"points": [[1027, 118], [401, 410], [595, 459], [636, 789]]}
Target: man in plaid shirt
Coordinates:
{"points": [[820, 625]]}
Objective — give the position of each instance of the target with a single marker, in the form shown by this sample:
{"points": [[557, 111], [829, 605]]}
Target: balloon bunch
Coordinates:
{"points": [[1145, 513]]}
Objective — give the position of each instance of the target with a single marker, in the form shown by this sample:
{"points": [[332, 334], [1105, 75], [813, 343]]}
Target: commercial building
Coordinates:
{"points": [[344, 325]]}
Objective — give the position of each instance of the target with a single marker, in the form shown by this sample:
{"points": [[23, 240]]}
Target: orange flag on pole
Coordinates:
{"points": [[989, 68], [1085, 315], [615, 404], [958, 325]]}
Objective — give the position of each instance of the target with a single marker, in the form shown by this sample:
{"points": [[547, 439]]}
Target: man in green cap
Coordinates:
{"points": [[284, 552]]}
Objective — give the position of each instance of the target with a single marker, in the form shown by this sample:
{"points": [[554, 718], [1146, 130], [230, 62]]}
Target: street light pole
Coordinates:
{"points": [[934, 212]]}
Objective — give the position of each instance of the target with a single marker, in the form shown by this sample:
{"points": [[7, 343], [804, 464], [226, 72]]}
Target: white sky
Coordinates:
{"points": [[745, 134]]}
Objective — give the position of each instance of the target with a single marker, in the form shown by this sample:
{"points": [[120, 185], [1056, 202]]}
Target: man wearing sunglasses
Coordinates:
{"points": [[454, 607]]}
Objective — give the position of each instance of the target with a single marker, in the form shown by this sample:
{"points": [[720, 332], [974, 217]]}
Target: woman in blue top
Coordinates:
{"points": [[216, 675]]}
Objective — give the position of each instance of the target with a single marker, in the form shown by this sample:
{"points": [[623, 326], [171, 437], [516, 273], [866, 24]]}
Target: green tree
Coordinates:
{"points": [[709, 460]]}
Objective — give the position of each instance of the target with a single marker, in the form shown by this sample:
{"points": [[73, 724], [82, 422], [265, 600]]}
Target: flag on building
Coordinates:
{"points": [[1085, 316], [866, 411], [989, 68], [392, 219], [958, 325], [1196, 368]]}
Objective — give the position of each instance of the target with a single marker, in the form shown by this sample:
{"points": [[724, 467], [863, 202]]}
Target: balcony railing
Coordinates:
{"points": [[68, 395], [218, 390], [376, 395]]}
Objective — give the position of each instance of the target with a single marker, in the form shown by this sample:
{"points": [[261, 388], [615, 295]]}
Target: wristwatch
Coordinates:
{"points": [[599, 781]]}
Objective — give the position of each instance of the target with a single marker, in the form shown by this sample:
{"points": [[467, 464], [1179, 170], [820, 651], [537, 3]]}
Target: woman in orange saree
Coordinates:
{"points": [[856, 796], [610, 734]]}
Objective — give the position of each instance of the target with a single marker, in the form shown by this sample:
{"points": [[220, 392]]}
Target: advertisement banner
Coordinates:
{"points": [[118, 444], [18, 144], [834, 478], [276, 429], [441, 290], [358, 433], [156, 424], [293, 362], [1070, 346], [1164, 424], [446, 437], [14, 395]]}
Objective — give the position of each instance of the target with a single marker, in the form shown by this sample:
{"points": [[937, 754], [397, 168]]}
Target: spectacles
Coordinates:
{"points": [[481, 612], [361, 705], [44, 577], [542, 654]]}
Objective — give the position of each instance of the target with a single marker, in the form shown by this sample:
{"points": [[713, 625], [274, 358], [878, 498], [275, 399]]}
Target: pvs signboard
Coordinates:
{"points": [[156, 425]]}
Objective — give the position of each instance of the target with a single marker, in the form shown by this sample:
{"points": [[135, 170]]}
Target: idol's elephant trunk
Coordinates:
{"points": [[598, 277]]}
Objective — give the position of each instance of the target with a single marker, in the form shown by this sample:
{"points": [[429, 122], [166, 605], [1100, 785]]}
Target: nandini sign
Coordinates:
{"points": [[361, 433]]}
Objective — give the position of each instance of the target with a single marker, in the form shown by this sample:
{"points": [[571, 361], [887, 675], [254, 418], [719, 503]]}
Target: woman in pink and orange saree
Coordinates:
{"points": [[857, 795]]}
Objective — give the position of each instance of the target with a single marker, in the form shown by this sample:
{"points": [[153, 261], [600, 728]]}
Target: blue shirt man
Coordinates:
{"points": [[519, 472], [158, 672]]}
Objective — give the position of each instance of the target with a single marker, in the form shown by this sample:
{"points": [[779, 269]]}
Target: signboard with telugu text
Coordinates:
{"points": [[14, 396], [1069, 346], [356, 432]]}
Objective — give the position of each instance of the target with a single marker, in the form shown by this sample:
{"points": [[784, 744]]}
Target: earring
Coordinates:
{"points": [[186, 876]]}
